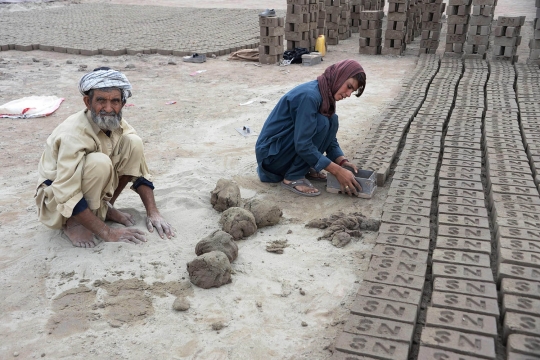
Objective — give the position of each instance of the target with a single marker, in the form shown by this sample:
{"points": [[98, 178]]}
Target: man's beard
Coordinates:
{"points": [[107, 121]]}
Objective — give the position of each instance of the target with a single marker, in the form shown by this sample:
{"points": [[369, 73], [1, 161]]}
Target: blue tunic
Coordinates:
{"points": [[295, 136]]}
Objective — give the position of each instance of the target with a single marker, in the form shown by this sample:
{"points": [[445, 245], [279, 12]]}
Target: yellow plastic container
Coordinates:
{"points": [[320, 45]]}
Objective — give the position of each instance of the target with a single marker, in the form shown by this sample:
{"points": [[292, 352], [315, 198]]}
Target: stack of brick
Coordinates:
{"points": [[479, 31], [373, 4], [356, 7], [534, 43], [321, 21], [412, 21], [333, 16], [432, 11], [458, 25], [396, 27], [301, 24], [344, 31], [507, 38], [371, 32], [271, 39]]}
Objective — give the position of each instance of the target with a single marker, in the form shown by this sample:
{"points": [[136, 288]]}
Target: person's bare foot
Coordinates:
{"points": [[78, 234], [119, 217], [303, 188], [314, 175]]}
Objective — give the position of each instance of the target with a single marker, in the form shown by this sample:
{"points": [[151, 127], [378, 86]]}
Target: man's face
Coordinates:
{"points": [[345, 91], [105, 108]]}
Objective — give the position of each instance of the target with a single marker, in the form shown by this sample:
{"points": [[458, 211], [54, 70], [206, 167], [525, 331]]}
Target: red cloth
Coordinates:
{"points": [[331, 80]]}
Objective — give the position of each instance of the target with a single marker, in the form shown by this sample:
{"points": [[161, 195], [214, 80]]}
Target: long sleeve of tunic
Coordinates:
{"points": [[292, 125]]}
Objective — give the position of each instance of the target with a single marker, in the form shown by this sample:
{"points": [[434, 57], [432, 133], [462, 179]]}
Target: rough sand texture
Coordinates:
{"points": [[115, 301]]}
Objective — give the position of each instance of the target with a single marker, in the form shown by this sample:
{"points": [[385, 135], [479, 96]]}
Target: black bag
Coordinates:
{"points": [[295, 55]]}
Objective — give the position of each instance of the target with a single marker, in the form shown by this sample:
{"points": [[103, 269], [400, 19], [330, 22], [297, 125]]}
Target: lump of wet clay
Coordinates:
{"points": [[181, 304], [265, 214], [225, 195], [340, 239], [238, 222], [209, 270], [218, 241]]}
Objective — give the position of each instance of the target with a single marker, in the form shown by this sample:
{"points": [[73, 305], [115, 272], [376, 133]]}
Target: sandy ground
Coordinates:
{"points": [[115, 301]]}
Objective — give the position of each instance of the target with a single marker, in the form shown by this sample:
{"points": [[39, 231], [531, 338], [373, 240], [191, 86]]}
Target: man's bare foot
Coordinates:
{"points": [[119, 217], [302, 188], [78, 234]]}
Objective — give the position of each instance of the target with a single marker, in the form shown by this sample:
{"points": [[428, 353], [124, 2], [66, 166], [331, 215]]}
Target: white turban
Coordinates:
{"points": [[99, 79]]}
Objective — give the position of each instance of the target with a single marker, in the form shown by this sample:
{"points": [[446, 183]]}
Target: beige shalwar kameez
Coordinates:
{"points": [[82, 161]]}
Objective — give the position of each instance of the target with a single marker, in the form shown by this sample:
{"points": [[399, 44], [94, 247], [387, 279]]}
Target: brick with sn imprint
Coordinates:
{"points": [[407, 241], [464, 343], [403, 253], [519, 244], [471, 194], [467, 272], [467, 287], [380, 328], [461, 257], [398, 229], [515, 323], [390, 292], [462, 184], [464, 321], [367, 345], [466, 232], [407, 209], [460, 244], [400, 200], [518, 257], [429, 353], [524, 344], [518, 233], [463, 220], [521, 287], [519, 304], [519, 223], [502, 209], [384, 309], [415, 282], [475, 304], [412, 185], [462, 210], [512, 271], [379, 263], [406, 219], [457, 200]]}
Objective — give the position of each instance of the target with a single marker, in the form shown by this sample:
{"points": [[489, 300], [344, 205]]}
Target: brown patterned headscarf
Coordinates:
{"points": [[332, 79]]}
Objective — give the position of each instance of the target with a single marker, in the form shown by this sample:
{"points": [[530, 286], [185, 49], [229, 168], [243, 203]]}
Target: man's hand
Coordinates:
{"points": [[130, 236], [348, 182], [155, 220]]}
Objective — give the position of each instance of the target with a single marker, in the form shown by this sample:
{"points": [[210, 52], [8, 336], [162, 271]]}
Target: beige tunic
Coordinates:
{"points": [[64, 160]]}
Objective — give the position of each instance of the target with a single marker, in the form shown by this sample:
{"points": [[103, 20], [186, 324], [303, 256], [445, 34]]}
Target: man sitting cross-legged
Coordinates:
{"points": [[88, 160]]}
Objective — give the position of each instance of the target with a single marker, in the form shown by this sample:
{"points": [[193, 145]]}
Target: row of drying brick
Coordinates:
{"points": [[391, 293], [378, 150], [515, 202]]}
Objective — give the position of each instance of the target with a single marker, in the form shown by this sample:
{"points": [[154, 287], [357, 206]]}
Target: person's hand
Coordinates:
{"points": [[348, 182], [155, 220], [130, 236], [351, 165]]}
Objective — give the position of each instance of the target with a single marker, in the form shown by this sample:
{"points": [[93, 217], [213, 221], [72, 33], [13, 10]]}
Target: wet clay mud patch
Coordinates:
{"points": [[125, 302], [72, 311], [341, 228]]}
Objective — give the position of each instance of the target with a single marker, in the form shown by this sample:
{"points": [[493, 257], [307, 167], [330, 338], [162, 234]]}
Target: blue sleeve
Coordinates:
{"points": [[80, 207], [305, 127], [334, 150]]}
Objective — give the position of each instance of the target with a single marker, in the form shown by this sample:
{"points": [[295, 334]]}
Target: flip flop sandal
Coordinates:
{"points": [[304, 182], [315, 178]]}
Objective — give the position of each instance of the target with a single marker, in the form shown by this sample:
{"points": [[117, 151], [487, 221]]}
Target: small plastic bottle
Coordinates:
{"points": [[320, 45]]}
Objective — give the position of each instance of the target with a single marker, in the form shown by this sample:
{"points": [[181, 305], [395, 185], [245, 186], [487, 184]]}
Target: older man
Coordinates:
{"points": [[88, 160]]}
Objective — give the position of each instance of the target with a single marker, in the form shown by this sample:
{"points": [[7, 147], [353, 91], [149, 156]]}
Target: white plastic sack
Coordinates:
{"points": [[30, 107]]}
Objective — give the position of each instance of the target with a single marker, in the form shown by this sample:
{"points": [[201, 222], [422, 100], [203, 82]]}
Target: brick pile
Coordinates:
{"points": [[457, 13], [356, 7], [432, 11], [534, 43], [371, 31], [333, 16], [374, 4], [477, 42], [321, 20], [301, 24], [271, 39], [396, 27], [515, 202], [507, 37], [344, 31]]}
